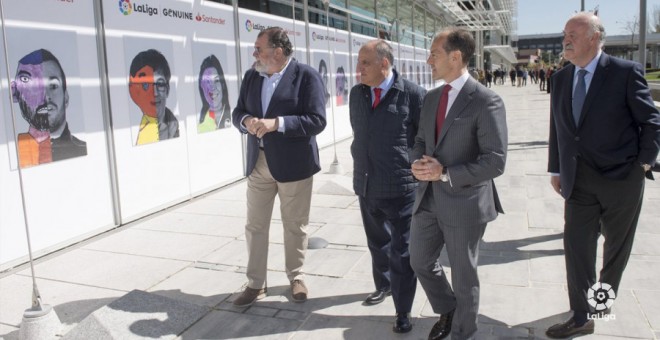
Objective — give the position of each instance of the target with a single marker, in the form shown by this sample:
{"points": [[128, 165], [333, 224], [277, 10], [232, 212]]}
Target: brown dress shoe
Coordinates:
{"points": [[298, 291], [569, 328], [249, 296]]}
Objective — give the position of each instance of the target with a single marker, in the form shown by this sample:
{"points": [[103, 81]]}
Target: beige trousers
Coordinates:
{"points": [[295, 199]]}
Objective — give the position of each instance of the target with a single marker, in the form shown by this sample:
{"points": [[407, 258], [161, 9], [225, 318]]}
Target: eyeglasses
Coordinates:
{"points": [[258, 50], [160, 87]]}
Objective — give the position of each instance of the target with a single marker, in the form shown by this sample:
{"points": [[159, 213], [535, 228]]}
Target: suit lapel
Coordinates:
{"points": [[284, 85], [464, 97], [599, 77], [567, 109]]}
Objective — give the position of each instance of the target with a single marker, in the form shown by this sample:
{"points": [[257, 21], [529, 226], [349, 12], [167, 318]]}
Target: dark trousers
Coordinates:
{"points": [[599, 206], [387, 225]]}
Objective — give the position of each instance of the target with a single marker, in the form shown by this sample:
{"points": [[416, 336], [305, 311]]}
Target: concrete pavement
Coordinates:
{"points": [[192, 257]]}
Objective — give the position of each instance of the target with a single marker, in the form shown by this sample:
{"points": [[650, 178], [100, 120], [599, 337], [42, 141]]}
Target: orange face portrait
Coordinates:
{"points": [[148, 89]]}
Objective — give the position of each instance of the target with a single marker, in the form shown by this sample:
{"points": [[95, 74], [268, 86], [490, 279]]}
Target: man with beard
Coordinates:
{"points": [[149, 86], [281, 108], [40, 91]]}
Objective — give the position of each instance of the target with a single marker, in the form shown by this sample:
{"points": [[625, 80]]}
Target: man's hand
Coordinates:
{"points": [[427, 169], [556, 183], [264, 126], [250, 124]]}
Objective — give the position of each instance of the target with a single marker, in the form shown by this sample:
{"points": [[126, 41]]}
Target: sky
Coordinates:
{"points": [[541, 17]]}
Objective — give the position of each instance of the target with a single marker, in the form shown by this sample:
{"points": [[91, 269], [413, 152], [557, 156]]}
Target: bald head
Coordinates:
{"points": [[375, 61]]}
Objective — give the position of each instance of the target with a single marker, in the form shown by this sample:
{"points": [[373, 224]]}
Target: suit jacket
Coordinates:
{"points": [[383, 137], [472, 145], [619, 126], [299, 99]]}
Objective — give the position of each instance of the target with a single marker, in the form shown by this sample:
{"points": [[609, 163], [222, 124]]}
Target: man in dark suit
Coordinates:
{"points": [[460, 147], [281, 107], [604, 137], [384, 111]]}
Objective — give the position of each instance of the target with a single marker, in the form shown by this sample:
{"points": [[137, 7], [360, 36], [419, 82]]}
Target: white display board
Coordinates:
{"points": [[407, 61], [55, 90], [158, 167], [421, 75]]}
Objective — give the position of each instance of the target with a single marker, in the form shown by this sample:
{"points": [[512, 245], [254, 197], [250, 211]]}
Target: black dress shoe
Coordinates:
{"points": [[402, 323], [569, 328], [442, 328], [377, 297]]}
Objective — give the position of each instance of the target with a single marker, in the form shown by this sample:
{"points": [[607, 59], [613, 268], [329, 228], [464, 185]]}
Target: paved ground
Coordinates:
{"points": [[194, 255]]}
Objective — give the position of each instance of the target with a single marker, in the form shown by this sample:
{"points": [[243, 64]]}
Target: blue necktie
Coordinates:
{"points": [[578, 96]]}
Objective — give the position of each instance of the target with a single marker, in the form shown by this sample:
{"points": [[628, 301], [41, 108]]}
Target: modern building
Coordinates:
{"points": [[95, 167]]}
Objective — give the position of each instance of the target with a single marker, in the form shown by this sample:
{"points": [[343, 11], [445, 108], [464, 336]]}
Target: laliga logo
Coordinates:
{"points": [[125, 7], [248, 25], [601, 296]]}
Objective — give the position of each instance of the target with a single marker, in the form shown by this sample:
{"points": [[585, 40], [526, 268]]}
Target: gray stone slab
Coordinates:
{"points": [[235, 254], [138, 315], [548, 269], [335, 215], [336, 185], [503, 270], [346, 327], [108, 270], [8, 332], [649, 302], [332, 201], [213, 225], [72, 302], [234, 192], [646, 244], [202, 287], [546, 213], [630, 321], [161, 244], [231, 325], [641, 275], [330, 262], [522, 306], [214, 207], [342, 234]]}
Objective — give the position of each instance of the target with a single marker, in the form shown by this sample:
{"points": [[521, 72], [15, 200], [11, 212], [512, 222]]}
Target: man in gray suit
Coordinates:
{"points": [[460, 147]]}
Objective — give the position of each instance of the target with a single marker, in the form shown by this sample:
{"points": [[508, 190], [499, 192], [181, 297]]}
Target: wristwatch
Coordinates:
{"points": [[444, 177]]}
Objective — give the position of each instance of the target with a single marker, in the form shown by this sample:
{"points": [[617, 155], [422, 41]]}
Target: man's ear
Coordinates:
{"points": [[66, 99], [14, 91]]}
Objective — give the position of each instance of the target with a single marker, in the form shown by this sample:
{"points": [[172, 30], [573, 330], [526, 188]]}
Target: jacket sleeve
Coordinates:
{"points": [[240, 112], [312, 121]]}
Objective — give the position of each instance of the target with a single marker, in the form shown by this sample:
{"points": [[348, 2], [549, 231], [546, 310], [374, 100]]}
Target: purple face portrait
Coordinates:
{"points": [[212, 87], [41, 94]]}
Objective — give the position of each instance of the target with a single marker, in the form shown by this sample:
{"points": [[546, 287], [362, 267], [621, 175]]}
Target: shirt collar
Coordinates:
{"points": [[458, 83], [591, 66], [277, 74], [387, 82]]}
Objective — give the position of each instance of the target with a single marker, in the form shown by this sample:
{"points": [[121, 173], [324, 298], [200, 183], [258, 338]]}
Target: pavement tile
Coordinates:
{"points": [[503, 270], [72, 302], [107, 270], [641, 275], [202, 287], [200, 224], [8, 332], [161, 244], [630, 320], [346, 327], [214, 207], [649, 302], [230, 325], [342, 234], [332, 201]]}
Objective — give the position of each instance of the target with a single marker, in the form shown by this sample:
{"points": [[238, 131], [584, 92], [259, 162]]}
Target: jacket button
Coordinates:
{"points": [[577, 139]]}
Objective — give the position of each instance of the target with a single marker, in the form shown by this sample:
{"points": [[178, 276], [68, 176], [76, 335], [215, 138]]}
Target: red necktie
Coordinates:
{"points": [[376, 97], [442, 111]]}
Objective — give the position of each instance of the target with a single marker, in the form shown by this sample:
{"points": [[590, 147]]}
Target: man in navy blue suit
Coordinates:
{"points": [[281, 108], [604, 139]]}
